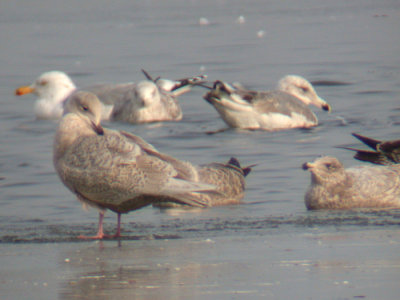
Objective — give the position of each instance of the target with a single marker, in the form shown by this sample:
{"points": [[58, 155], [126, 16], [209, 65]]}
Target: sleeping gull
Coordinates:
{"points": [[153, 101], [284, 108], [53, 89], [121, 172], [384, 152], [334, 187]]}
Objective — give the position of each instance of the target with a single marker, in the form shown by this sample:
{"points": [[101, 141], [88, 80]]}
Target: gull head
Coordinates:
{"points": [[166, 84], [54, 85], [147, 93], [303, 90], [326, 170], [87, 107]]}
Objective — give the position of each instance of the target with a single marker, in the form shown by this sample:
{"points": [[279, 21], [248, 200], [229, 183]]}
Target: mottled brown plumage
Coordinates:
{"points": [[121, 172], [334, 187], [229, 180]]}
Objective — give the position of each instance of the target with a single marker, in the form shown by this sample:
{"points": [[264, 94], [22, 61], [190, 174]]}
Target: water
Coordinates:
{"points": [[201, 254]]}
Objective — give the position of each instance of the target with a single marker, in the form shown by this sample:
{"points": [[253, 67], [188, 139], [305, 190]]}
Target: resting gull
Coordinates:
{"points": [[279, 109], [334, 187], [147, 103], [384, 152], [121, 172], [53, 89]]}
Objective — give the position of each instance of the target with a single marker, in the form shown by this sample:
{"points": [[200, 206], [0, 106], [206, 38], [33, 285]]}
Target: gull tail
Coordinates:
{"points": [[235, 163]]}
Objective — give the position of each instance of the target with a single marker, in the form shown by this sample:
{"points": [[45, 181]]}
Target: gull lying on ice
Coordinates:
{"points": [[334, 187]]}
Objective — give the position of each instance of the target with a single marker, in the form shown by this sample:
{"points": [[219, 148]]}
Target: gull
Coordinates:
{"points": [[279, 109], [334, 187], [53, 89], [121, 172], [153, 100]]}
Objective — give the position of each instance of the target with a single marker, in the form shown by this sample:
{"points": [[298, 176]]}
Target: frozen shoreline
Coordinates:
{"points": [[340, 265]]}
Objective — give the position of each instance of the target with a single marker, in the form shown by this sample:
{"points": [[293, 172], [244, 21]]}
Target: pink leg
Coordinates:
{"points": [[100, 234]]}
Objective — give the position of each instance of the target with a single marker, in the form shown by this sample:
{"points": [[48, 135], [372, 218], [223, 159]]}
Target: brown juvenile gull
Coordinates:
{"points": [[121, 172], [334, 187], [228, 178], [384, 152], [279, 109], [53, 89]]}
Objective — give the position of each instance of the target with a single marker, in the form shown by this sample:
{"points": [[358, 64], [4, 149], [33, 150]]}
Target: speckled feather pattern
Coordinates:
{"points": [[334, 187], [119, 171]]}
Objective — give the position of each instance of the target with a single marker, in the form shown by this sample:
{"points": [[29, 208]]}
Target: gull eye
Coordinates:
{"points": [[85, 108], [305, 89], [43, 82], [329, 166]]}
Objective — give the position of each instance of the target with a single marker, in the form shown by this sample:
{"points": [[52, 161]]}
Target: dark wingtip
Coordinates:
{"points": [[372, 143], [233, 161], [204, 86], [247, 170], [218, 83], [147, 75]]}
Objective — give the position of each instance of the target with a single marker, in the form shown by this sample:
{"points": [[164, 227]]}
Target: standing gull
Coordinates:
{"points": [[53, 89], [284, 108], [383, 153], [334, 187], [121, 172]]}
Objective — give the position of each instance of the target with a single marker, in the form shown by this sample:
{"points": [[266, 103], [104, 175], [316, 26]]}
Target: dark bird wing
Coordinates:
{"points": [[385, 153]]}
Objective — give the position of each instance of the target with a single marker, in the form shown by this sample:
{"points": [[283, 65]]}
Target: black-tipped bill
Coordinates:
{"points": [[305, 166], [326, 107], [98, 129]]}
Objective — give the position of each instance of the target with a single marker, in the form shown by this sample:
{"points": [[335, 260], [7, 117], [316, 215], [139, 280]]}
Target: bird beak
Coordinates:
{"points": [[22, 90], [306, 166], [98, 128], [326, 107]]}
